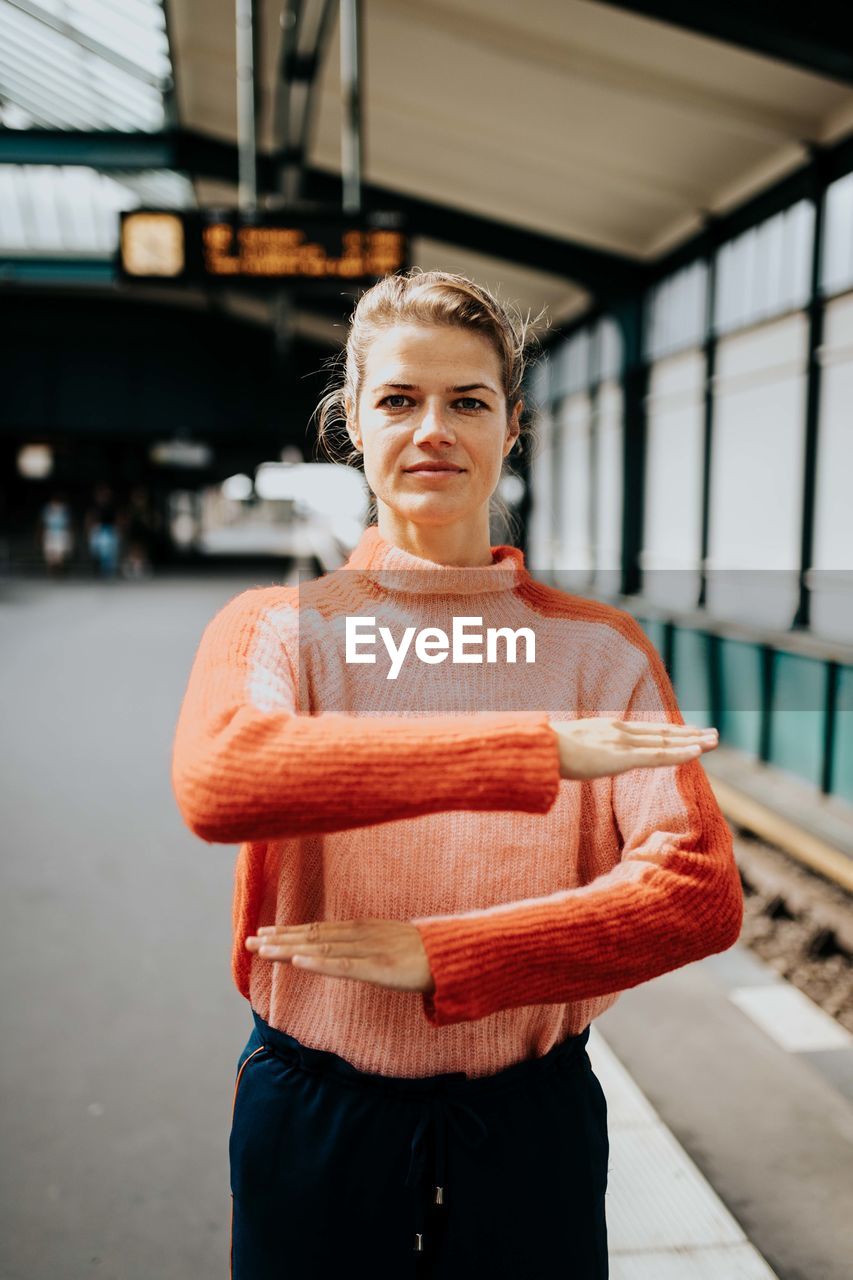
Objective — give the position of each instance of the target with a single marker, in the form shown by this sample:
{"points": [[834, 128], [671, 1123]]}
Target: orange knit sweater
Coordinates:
{"points": [[435, 797]]}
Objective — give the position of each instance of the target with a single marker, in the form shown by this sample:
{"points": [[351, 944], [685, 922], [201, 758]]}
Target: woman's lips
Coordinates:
{"points": [[433, 471]]}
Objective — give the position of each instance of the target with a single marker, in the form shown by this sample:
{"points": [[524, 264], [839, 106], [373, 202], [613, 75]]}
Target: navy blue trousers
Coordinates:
{"points": [[338, 1173]]}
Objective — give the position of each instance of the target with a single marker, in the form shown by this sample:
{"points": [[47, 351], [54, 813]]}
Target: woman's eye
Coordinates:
{"points": [[397, 400]]}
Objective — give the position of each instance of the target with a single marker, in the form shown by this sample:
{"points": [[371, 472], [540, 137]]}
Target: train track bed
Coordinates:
{"points": [[798, 923]]}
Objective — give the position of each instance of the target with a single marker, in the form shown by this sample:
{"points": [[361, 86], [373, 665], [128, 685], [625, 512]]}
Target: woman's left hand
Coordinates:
{"points": [[389, 953]]}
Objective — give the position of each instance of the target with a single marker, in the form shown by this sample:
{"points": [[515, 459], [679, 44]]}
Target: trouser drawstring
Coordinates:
{"points": [[439, 1098], [437, 1111]]}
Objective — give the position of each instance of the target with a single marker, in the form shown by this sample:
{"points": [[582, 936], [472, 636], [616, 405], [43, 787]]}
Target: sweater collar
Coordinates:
{"points": [[395, 569]]}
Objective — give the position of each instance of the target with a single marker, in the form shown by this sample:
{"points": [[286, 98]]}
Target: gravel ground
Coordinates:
{"points": [[792, 921]]}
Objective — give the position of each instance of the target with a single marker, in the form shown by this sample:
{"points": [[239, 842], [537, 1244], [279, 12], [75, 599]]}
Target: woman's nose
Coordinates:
{"points": [[434, 427]]}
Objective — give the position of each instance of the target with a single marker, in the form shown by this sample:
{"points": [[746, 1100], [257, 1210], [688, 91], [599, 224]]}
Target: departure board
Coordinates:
{"points": [[266, 247]]}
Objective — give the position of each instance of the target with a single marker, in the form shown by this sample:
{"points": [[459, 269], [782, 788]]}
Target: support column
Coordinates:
{"points": [[635, 386], [815, 314], [246, 105], [351, 123], [709, 348]]}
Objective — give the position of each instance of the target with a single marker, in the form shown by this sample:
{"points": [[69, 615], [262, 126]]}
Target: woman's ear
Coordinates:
{"points": [[513, 427], [352, 426]]}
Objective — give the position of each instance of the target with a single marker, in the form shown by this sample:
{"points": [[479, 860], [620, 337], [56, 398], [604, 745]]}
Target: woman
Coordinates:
{"points": [[453, 857]]}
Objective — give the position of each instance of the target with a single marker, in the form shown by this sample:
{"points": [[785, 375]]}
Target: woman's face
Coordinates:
{"points": [[431, 422]]}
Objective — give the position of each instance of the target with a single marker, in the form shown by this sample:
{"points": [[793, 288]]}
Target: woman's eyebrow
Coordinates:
{"points": [[411, 386]]}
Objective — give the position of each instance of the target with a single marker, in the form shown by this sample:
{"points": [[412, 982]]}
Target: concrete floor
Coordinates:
{"points": [[121, 1028], [771, 1130], [120, 1025]]}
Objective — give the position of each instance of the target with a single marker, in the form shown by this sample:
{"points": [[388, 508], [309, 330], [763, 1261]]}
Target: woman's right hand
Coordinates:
{"points": [[599, 746]]}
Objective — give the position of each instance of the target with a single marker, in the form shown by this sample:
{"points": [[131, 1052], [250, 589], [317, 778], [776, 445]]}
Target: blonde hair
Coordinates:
{"points": [[432, 298]]}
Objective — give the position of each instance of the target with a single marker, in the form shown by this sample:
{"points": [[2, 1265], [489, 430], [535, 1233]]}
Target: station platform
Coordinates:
{"points": [[730, 1099]]}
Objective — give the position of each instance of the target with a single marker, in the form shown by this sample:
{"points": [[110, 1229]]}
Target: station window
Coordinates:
{"points": [[574, 477], [830, 575], [757, 472], [606, 355], [537, 383], [672, 532], [542, 523], [766, 271], [676, 312], [606, 461], [571, 365], [836, 268], [675, 330], [576, 531]]}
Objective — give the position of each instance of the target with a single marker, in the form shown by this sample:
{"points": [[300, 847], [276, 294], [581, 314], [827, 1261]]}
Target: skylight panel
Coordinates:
{"points": [[67, 210], [84, 64]]}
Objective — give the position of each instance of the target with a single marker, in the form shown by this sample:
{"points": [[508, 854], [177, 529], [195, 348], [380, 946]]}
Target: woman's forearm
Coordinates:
{"points": [[246, 766], [665, 904], [272, 776]]}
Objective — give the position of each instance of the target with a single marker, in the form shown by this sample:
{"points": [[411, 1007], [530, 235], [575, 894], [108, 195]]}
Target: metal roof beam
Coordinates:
{"points": [[598, 270], [806, 36], [603, 273], [100, 149]]}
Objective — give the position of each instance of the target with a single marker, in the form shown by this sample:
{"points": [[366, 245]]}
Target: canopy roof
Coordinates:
{"points": [[604, 128]]}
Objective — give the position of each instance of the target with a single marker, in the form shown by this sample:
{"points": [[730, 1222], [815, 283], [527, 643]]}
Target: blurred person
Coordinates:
{"points": [[430, 909], [102, 527], [138, 537], [57, 536]]}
